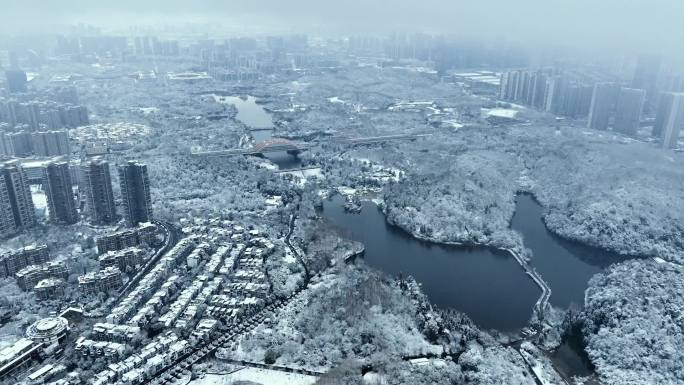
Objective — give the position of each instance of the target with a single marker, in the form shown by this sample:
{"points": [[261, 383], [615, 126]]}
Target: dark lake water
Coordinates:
{"points": [[565, 265], [260, 122], [248, 111], [486, 284]]}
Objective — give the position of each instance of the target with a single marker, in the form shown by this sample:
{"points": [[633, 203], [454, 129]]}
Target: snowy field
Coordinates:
{"points": [[257, 376]]}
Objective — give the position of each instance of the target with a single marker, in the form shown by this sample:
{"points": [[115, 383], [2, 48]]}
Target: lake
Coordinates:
{"points": [[565, 265], [260, 123], [486, 284], [248, 111]]}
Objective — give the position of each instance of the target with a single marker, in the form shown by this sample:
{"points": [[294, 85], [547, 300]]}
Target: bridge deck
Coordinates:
{"points": [[302, 146]]}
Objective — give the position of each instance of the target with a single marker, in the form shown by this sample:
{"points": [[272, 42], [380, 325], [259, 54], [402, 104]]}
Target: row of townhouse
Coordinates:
{"points": [[230, 309], [151, 281], [103, 331], [108, 349], [160, 298], [183, 300], [192, 311], [117, 371]]}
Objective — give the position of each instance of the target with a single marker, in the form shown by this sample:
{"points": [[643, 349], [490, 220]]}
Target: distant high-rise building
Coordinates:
{"points": [[629, 108], [19, 143], [33, 118], [60, 194], [50, 143], [135, 192], [5, 148], [577, 100], [603, 101], [563, 95], [514, 85], [669, 118], [503, 85], [7, 225], [556, 92], [8, 111], [646, 72], [16, 205], [537, 90], [97, 187], [16, 80], [74, 116], [646, 78]]}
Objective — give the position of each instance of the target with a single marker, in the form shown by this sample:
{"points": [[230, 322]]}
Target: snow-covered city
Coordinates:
{"points": [[302, 199]]}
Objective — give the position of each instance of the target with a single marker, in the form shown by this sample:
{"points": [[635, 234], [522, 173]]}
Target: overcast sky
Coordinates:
{"points": [[654, 25]]}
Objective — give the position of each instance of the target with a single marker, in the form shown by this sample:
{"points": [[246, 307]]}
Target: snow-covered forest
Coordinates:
{"points": [[624, 197], [357, 316], [634, 323]]}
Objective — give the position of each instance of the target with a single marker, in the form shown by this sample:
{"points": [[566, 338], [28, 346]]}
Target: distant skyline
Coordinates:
{"points": [[622, 26]]}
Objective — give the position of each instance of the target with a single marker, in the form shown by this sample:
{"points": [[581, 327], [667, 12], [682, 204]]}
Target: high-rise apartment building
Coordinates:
{"points": [[50, 143], [19, 143], [7, 225], [629, 108], [555, 94], [669, 118], [646, 77], [603, 102], [60, 194], [17, 208], [97, 188], [527, 87], [135, 192]]}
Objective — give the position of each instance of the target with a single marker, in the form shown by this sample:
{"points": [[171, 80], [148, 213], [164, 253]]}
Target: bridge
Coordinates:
{"points": [[261, 148], [294, 148]]}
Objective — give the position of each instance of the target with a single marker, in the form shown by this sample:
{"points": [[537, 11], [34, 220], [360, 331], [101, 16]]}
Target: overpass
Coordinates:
{"points": [[292, 147]]}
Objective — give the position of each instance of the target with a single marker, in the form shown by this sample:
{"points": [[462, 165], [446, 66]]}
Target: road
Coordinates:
{"points": [[294, 250], [171, 237]]}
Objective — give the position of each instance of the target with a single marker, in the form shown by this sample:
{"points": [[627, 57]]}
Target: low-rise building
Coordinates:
{"points": [[144, 234], [16, 260], [29, 276], [45, 373], [91, 348], [128, 259], [117, 333], [204, 328], [103, 280], [18, 355], [48, 331], [49, 288]]}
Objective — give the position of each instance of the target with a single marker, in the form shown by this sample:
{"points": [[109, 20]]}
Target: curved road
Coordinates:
{"points": [[293, 249], [171, 237]]}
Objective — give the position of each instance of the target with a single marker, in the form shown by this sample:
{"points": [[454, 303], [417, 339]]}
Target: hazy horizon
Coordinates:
{"points": [[618, 26]]}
